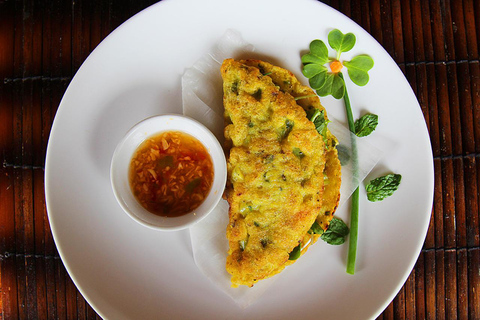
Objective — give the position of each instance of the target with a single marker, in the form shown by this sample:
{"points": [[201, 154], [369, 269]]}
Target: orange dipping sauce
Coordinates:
{"points": [[171, 174]]}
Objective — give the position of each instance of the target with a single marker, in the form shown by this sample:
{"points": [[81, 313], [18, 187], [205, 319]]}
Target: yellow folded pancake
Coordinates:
{"points": [[282, 174], [288, 83]]}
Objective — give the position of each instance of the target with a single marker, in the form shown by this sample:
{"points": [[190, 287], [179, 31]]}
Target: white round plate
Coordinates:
{"points": [[126, 271]]}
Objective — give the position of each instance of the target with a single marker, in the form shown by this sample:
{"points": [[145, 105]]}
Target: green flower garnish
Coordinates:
{"points": [[329, 82]]}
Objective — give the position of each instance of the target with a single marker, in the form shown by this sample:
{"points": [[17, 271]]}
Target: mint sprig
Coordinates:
{"points": [[336, 233], [366, 125]]}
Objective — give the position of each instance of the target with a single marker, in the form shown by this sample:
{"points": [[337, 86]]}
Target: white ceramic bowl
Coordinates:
{"points": [[124, 153]]}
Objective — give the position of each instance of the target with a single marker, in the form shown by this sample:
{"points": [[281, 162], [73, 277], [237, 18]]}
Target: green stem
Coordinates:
{"points": [[352, 245], [305, 97]]}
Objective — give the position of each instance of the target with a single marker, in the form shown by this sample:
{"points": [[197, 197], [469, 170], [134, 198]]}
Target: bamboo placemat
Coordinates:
{"points": [[436, 45]]}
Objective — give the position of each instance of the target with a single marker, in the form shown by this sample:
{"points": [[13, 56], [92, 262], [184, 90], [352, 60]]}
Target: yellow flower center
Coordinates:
{"points": [[336, 66]]}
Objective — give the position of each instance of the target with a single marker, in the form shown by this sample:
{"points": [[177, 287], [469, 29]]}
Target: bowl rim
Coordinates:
{"points": [[220, 177]]}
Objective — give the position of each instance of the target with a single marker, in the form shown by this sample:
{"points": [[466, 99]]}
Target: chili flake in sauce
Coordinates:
{"points": [[171, 174]]}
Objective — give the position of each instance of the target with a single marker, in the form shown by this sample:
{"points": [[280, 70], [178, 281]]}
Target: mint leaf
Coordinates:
{"points": [[295, 254], [341, 42], [315, 228], [382, 187], [318, 119], [358, 69], [366, 125], [336, 233], [313, 113], [318, 53]]}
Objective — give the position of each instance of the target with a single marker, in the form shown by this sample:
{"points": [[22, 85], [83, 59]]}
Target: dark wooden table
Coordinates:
{"points": [[435, 43]]}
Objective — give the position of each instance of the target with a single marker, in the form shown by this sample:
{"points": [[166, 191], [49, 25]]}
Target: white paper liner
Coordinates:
{"points": [[202, 85], [202, 94]]}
